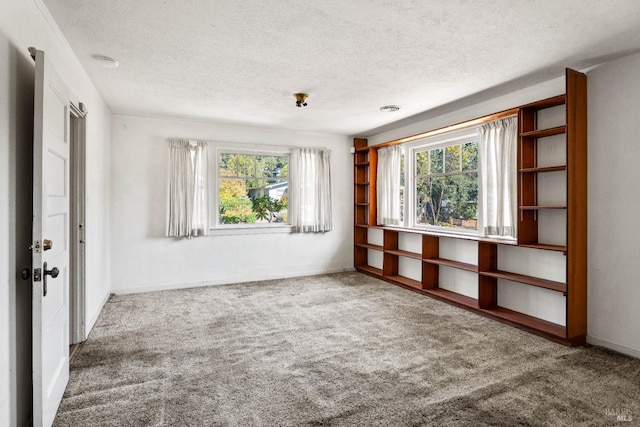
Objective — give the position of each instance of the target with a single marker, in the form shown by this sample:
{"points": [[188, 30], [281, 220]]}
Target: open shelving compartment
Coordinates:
{"points": [[552, 218]]}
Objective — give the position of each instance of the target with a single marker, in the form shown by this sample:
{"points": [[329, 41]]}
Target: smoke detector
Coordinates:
{"points": [[107, 61], [389, 108]]}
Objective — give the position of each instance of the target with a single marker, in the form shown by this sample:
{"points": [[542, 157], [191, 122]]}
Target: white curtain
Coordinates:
{"points": [[311, 190], [388, 185], [498, 144], [188, 189]]}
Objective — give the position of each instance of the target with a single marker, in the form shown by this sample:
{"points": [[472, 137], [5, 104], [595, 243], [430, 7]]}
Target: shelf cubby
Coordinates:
{"points": [[405, 281], [452, 264], [524, 321], [543, 133], [453, 297], [407, 254], [370, 246], [529, 280]]}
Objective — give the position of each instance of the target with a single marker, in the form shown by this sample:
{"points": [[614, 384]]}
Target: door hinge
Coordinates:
{"points": [[37, 274]]}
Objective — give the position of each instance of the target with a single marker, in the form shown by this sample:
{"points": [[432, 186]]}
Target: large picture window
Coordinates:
{"points": [[253, 188], [446, 185], [461, 181]]}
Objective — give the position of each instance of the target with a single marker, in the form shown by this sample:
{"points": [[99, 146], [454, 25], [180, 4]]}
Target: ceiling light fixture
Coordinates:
{"points": [[107, 62], [300, 99], [390, 108]]}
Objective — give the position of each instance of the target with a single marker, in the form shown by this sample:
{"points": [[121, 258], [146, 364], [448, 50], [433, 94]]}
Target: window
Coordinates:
{"points": [[253, 188], [462, 181], [446, 184]]}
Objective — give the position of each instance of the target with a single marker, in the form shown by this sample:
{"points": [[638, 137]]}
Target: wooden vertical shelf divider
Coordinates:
{"points": [[390, 243], [373, 173], [487, 286], [576, 206], [430, 272]]}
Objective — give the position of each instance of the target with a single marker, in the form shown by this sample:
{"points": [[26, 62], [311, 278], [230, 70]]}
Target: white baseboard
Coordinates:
{"points": [[172, 286], [613, 346], [96, 315]]}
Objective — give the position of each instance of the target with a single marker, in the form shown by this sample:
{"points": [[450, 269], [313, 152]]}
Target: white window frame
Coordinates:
{"points": [[216, 150], [461, 136]]}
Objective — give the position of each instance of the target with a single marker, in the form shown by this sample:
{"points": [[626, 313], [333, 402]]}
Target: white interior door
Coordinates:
{"points": [[50, 246]]}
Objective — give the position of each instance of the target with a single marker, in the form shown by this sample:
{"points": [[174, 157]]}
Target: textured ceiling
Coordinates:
{"points": [[236, 62]]}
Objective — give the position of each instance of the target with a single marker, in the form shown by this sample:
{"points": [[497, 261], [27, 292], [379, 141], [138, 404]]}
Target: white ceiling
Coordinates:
{"points": [[240, 62]]}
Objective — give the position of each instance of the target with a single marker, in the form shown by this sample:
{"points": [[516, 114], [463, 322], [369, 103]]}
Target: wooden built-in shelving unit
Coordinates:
{"points": [[489, 277]]}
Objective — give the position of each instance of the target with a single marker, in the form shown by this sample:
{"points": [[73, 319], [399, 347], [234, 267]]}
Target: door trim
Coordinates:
{"points": [[77, 283]]}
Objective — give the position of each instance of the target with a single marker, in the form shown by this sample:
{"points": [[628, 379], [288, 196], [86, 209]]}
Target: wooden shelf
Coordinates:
{"points": [[523, 320], [556, 248], [544, 169], [543, 104], [569, 139], [543, 133], [400, 252], [370, 270], [405, 281], [537, 208], [443, 294], [529, 280], [453, 264], [370, 246]]}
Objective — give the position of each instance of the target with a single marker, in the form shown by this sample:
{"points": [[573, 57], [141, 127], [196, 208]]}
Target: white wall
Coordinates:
{"points": [[25, 23], [143, 259], [614, 230]]}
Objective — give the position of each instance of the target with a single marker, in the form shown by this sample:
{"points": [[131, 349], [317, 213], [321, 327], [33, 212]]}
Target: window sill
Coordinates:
{"points": [[449, 234], [250, 229]]}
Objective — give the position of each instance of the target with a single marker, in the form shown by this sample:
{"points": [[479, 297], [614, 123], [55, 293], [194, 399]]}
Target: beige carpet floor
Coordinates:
{"points": [[342, 349]]}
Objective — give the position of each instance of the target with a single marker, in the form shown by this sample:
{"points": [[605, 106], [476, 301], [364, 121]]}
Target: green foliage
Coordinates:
{"points": [[267, 208], [236, 211], [442, 198], [242, 176]]}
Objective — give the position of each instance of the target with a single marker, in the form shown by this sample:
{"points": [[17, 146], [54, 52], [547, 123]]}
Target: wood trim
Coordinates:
{"points": [[457, 126], [554, 101], [373, 177], [576, 204]]}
